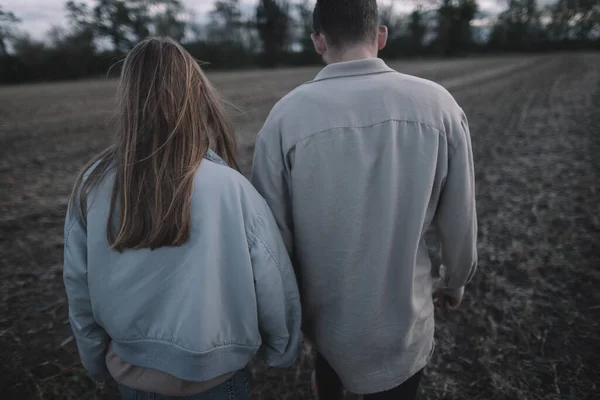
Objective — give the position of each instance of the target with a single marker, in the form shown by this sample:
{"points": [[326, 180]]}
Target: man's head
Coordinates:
{"points": [[347, 29]]}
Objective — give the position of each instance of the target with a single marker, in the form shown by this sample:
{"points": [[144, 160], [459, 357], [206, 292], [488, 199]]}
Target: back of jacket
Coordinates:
{"points": [[196, 311], [356, 165]]}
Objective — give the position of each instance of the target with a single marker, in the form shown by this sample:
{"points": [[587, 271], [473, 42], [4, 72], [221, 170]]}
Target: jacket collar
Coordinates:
{"points": [[214, 157], [366, 66]]}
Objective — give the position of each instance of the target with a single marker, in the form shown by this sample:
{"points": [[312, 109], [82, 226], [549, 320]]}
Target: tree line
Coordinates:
{"points": [[277, 33]]}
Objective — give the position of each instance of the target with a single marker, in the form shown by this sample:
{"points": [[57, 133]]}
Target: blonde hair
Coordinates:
{"points": [[168, 116]]}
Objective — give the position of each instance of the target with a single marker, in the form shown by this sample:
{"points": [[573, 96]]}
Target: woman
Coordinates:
{"points": [[175, 271]]}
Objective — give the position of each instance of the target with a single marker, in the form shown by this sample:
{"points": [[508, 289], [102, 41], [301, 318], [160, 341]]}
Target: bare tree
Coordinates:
{"points": [[305, 22], [167, 19], [576, 19], [389, 18], [226, 22], [8, 21], [124, 22], [417, 30], [454, 25], [273, 25]]}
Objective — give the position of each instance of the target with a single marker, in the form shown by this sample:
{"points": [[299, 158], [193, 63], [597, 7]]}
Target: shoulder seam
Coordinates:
{"points": [[68, 233], [260, 138]]}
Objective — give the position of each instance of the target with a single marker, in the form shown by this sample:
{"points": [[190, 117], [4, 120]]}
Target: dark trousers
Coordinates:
{"points": [[330, 386]]}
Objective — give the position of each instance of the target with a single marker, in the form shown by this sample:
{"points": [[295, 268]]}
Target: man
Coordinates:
{"points": [[356, 165]]}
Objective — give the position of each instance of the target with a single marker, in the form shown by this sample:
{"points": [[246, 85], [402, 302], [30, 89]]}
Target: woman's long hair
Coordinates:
{"points": [[169, 115]]}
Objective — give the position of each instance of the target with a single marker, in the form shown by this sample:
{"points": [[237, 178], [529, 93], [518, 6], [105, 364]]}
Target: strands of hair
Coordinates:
{"points": [[169, 115]]}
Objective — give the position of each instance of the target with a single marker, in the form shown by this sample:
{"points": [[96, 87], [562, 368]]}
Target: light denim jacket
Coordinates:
{"points": [[197, 311]]}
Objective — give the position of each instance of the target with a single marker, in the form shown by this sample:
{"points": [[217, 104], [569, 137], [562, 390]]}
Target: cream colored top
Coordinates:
{"points": [[153, 381]]}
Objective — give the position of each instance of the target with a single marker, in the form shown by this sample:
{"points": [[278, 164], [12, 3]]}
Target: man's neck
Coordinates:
{"points": [[351, 54]]}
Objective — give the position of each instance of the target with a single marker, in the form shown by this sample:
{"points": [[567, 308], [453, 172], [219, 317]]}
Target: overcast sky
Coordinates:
{"points": [[38, 16]]}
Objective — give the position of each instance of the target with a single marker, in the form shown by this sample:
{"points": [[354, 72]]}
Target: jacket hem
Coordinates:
{"points": [[182, 363]]}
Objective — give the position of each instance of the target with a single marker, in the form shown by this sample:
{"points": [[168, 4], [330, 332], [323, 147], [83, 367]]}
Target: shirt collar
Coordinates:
{"points": [[364, 66]]}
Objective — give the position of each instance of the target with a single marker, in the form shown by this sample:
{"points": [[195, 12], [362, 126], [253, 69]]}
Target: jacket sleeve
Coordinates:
{"points": [[270, 177], [278, 300], [92, 340], [456, 217]]}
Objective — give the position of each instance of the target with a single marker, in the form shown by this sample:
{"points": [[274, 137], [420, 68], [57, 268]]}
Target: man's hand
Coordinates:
{"points": [[449, 299]]}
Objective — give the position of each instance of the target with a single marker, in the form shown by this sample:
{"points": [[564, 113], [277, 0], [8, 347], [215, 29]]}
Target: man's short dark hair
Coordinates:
{"points": [[345, 22]]}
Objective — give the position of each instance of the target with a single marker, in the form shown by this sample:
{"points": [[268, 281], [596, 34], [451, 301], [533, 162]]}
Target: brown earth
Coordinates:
{"points": [[530, 324]]}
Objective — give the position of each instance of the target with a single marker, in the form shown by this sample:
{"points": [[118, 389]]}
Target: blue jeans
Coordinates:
{"points": [[236, 388]]}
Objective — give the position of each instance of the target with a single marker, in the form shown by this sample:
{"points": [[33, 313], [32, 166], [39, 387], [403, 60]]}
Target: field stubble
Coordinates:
{"points": [[530, 324]]}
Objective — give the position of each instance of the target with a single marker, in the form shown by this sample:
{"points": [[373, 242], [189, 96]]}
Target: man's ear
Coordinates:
{"points": [[319, 42], [382, 37]]}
